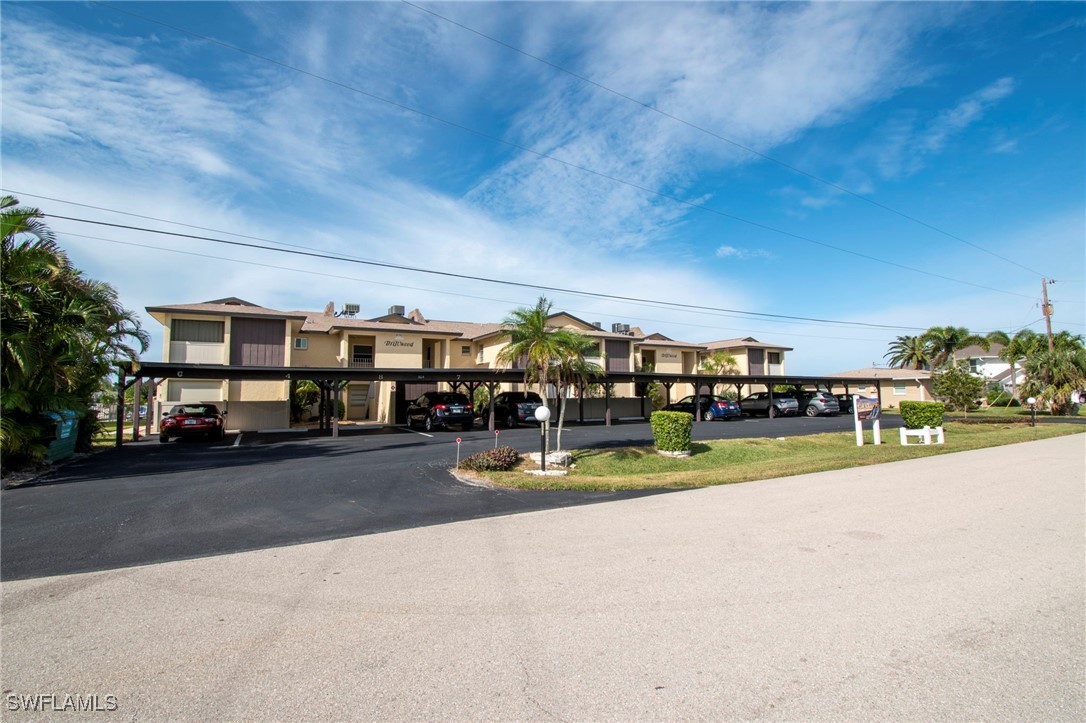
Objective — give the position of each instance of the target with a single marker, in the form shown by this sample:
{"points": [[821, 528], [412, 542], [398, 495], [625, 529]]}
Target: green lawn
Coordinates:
{"points": [[743, 460]]}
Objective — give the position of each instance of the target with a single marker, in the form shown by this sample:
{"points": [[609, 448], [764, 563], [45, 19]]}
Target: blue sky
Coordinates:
{"points": [[430, 146]]}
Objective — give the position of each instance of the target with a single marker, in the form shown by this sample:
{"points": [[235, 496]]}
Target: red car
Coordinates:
{"points": [[192, 420]]}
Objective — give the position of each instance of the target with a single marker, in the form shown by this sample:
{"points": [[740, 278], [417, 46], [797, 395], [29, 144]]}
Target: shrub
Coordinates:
{"points": [[916, 415], [499, 459], [671, 430]]}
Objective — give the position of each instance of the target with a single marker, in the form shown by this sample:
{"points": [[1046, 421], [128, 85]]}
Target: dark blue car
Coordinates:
{"points": [[711, 407]]}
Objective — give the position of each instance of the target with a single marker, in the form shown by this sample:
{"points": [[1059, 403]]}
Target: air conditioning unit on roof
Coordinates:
{"points": [[350, 309]]}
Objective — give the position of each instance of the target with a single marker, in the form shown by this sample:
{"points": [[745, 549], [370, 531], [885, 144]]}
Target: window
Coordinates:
{"points": [[899, 389], [774, 357], [301, 344], [210, 332], [593, 351], [862, 388], [465, 350]]}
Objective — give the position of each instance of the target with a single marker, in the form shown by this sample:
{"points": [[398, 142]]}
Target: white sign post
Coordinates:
{"points": [[458, 441], [864, 409]]}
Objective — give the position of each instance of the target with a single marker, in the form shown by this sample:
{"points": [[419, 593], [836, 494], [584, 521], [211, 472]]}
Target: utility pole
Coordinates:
{"points": [[1047, 309]]}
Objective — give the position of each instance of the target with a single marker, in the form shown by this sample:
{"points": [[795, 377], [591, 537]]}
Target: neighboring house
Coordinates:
{"points": [[897, 385], [236, 332], [988, 366]]}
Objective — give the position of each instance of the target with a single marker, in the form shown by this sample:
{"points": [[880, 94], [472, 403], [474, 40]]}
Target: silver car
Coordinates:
{"points": [[759, 404], [814, 404]]}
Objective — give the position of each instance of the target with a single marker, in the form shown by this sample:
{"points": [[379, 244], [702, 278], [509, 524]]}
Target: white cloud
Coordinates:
{"points": [[726, 252], [760, 76], [967, 112]]}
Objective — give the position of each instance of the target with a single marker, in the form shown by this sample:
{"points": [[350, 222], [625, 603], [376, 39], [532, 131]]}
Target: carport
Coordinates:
{"points": [[332, 379]]}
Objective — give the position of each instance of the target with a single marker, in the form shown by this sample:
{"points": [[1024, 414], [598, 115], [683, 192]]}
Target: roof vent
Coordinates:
{"points": [[396, 310]]}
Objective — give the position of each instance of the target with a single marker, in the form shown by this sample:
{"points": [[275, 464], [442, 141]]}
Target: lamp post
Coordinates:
{"points": [[1032, 411], [542, 414]]}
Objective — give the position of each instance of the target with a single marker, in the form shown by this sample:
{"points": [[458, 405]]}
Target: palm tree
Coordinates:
{"points": [[532, 342], [1016, 349], [62, 332], [908, 351], [572, 370], [943, 341], [1053, 376]]}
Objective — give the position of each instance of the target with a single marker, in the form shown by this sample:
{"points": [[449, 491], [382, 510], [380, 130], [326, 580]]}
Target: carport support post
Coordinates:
{"points": [[607, 404], [490, 388], [580, 403], [136, 385], [697, 402], [120, 405], [878, 389]]}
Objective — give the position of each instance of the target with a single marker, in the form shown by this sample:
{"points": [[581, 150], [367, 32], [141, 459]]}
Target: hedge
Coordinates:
{"points": [[671, 430], [499, 459], [917, 415]]}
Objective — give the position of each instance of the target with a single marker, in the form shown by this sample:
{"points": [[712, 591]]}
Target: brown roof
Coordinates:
{"points": [[884, 373], [744, 343], [975, 352], [226, 307]]}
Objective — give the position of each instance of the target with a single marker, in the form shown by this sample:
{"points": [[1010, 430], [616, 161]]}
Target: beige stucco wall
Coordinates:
{"points": [[915, 391], [323, 351]]}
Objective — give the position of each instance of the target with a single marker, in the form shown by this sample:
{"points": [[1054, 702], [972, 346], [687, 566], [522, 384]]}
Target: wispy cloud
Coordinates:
{"points": [[731, 252], [967, 112]]}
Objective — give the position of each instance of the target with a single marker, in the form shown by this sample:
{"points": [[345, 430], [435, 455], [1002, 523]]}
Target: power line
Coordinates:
{"points": [[569, 164], [452, 293], [725, 139], [451, 274]]}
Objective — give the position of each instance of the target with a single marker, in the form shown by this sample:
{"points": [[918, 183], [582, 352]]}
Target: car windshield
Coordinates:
{"points": [[196, 409]]}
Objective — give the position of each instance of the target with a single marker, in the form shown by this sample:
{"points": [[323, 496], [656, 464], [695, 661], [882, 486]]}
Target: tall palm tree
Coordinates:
{"points": [[532, 342], [572, 370], [943, 341], [1015, 350], [908, 351]]}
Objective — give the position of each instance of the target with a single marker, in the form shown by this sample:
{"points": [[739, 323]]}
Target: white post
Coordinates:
{"points": [[458, 440], [877, 431], [856, 421]]}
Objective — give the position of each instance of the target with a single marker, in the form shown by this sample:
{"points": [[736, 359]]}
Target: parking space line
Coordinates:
{"points": [[424, 434], [237, 440]]}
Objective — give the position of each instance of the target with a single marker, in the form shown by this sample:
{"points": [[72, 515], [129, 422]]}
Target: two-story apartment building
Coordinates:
{"points": [[235, 332]]}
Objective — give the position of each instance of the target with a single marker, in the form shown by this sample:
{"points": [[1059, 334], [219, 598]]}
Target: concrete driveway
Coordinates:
{"points": [[943, 588]]}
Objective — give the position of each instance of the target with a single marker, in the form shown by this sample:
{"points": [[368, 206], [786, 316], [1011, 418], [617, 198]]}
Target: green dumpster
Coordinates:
{"points": [[62, 442]]}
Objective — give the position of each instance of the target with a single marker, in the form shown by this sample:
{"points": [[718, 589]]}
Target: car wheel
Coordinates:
{"points": [[772, 412], [811, 410], [428, 424], [511, 420], [707, 415], [163, 438], [466, 427]]}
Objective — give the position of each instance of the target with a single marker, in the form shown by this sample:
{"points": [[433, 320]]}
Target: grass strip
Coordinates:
{"points": [[744, 460]]}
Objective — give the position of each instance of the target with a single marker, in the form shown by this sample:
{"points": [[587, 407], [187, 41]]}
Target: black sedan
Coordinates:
{"points": [[434, 410]]}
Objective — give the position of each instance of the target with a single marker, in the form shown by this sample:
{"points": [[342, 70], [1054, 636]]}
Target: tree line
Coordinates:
{"points": [[1053, 371], [62, 335]]}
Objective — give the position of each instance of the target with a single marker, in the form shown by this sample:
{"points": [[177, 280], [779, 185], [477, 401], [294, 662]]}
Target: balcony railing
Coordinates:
{"points": [[197, 352], [360, 362]]}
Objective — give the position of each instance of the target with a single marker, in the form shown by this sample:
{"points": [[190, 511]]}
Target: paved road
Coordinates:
{"points": [[944, 588], [150, 502]]}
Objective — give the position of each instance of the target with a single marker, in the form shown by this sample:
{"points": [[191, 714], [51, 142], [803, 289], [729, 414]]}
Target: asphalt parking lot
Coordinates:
{"points": [[150, 502]]}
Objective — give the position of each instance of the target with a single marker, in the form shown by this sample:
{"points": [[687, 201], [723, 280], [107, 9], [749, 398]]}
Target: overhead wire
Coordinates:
{"points": [[441, 292], [452, 274], [547, 156]]}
